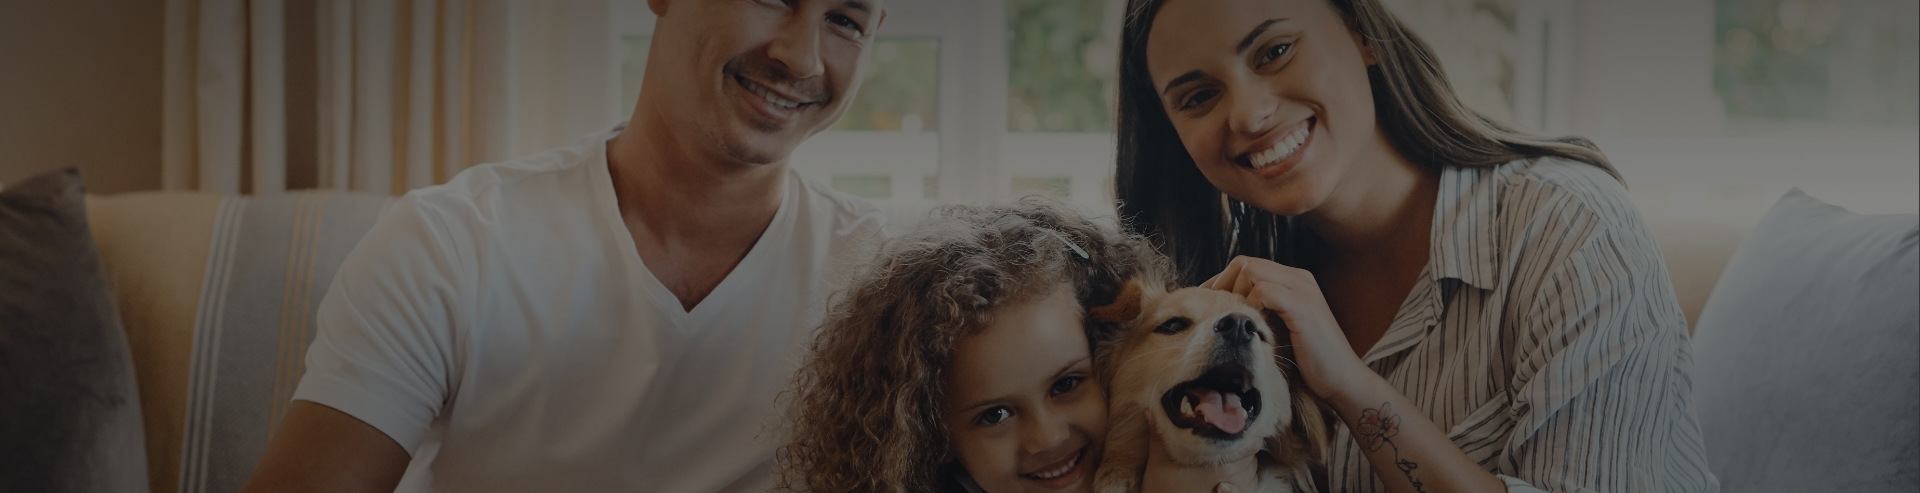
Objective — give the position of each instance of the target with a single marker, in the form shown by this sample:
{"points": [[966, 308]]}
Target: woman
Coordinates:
{"points": [[960, 359], [1482, 308]]}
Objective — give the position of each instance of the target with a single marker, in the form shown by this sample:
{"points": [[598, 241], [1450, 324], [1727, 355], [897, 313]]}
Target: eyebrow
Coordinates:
{"points": [[1056, 376], [1183, 79], [858, 5], [1255, 34], [1237, 50]]}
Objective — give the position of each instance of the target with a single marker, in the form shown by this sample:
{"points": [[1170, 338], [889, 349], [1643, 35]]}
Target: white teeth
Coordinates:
{"points": [[770, 97], [1186, 406], [1058, 472], [1282, 149]]}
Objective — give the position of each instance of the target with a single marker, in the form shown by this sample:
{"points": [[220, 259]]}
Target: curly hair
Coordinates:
{"points": [[866, 406]]}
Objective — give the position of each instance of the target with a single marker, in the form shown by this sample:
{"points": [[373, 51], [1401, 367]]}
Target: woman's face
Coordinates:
{"points": [[1270, 97], [1024, 411]]}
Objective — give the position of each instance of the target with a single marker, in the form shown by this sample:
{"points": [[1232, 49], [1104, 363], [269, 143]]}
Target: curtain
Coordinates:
{"points": [[383, 96]]}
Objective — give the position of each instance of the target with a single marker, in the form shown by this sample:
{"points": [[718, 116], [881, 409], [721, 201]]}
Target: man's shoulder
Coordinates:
{"points": [[503, 199], [488, 180]]}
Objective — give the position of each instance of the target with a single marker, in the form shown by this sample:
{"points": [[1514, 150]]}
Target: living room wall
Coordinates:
{"points": [[80, 85]]}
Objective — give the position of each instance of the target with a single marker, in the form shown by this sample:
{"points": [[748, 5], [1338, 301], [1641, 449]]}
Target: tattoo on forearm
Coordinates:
{"points": [[1377, 428]]}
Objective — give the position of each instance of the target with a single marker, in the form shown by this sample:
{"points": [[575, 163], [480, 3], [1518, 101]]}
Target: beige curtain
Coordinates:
{"points": [[376, 96]]}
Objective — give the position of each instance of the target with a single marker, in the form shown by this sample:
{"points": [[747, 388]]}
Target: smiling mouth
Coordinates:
{"points": [[1058, 471], [767, 94], [1281, 149], [1217, 405]]}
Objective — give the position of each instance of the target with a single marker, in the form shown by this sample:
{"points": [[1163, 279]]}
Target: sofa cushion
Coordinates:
{"points": [[69, 408], [217, 294], [1807, 376]]}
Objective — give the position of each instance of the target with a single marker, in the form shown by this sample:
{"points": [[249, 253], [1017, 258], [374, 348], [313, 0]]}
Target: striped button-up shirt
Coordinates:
{"points": [[1544, 338]]}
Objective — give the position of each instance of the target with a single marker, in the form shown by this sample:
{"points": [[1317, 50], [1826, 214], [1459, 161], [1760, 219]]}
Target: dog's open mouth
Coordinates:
{"points": [[1219, 404]]}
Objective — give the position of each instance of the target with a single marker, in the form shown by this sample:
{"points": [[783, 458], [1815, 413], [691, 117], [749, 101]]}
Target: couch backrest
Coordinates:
{"points": [[1695, 253], [217, 296]]}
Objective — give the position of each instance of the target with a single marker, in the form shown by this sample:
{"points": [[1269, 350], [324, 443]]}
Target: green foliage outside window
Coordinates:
{"points": [[901, 90], [1818, 60], [1058, 187], [1061, 66], [864, 186]]}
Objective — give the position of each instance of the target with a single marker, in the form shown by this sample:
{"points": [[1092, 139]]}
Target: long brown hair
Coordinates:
{"points": [[866, 406], [1163, 195]]}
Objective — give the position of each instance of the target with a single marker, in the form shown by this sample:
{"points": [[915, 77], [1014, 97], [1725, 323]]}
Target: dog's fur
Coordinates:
{"points": [[1142, 361]]}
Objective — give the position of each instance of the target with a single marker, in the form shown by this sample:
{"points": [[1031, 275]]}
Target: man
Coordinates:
{"points": [[614, 316]]}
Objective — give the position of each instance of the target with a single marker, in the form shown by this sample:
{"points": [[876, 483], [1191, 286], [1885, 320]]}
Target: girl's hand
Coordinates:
{"points": [[1320, 349]]}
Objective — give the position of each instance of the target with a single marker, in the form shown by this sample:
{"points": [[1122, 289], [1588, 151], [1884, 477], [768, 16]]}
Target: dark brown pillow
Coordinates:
{"points": [[69, 407]]}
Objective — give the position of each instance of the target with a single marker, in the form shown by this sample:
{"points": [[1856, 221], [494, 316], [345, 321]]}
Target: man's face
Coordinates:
{"points": [[757, 77]]}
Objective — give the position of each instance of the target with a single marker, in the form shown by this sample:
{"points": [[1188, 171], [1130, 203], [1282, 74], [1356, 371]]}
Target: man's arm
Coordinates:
{"points": [[318, 448]]}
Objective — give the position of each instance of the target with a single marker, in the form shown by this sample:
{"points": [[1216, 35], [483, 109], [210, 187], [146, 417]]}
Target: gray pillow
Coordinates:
{"points": [[69, 408], [1807, 375]]}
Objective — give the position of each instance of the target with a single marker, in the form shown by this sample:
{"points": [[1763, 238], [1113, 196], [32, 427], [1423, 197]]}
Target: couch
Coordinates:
{"points": [[216, 295]]}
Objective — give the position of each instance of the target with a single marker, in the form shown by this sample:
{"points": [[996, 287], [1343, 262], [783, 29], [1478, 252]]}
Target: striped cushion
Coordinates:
{"points": [[217, 296]]}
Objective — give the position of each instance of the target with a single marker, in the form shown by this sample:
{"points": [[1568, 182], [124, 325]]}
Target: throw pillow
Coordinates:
{"points": [[1808, 354], [69, 408]]}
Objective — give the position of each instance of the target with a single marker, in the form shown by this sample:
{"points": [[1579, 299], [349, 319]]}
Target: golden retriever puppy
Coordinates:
{"points": [[1198, 370]]}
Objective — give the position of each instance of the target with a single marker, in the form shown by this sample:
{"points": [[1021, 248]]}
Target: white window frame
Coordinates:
{"points": [[1633, 75], [1636, 77], [972, 136]]}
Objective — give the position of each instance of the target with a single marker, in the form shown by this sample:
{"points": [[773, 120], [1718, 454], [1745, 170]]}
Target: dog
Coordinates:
{"points": [[1198, 370]]}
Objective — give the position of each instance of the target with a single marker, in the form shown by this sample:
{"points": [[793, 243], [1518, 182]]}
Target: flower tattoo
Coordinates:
{"points": [[1376, 428]]}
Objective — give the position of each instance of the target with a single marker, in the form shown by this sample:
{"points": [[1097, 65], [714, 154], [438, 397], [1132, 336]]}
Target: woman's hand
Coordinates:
{"points": [[1320, 349]]}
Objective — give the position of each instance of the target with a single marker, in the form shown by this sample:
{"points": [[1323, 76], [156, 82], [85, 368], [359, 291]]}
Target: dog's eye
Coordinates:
{"points": [[993, 416], [1174, 326], [1064, 385]]}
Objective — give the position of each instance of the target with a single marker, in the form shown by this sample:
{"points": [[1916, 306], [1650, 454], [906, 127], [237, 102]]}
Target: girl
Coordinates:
{"points": [[1483, 308], [960, 359]]}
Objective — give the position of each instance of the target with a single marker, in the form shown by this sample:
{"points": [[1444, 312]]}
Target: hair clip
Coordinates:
{"points": [[1063, 239]]}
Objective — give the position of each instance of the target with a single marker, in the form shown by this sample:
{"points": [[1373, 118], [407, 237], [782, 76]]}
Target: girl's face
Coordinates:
{"points": [[1024, 411], [1270, 97]]}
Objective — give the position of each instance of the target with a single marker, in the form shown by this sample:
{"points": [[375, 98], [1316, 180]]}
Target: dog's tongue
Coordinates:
{"points": [[1221, 411]]}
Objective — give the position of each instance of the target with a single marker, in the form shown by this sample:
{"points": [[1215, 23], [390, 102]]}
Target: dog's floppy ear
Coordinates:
{"points": [[1124, 308], [1309, 433], [1309, 420]]}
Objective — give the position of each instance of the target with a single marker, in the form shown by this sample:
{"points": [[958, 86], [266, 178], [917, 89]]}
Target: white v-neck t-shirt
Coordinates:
{"points": [[504, 330]]}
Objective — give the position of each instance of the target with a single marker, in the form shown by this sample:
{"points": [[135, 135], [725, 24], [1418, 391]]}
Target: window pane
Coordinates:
{"points": [[864, 186], [1818, 60], [1058, 187], [1476, 43], [1061, 56], [901, 91]]}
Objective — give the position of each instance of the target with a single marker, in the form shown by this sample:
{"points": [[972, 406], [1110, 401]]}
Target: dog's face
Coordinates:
{"points": [[1203, 364]]}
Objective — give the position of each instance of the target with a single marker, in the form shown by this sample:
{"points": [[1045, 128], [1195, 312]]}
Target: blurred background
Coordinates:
{"points": [[1711, 108], [190, 119]]}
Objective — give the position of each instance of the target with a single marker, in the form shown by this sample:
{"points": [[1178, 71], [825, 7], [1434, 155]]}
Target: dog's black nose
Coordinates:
{"points": [[1235, 328]]}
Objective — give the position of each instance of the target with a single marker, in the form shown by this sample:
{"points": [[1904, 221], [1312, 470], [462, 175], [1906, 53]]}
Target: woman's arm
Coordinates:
{"points": [[1407, 451], [1601, 378]]}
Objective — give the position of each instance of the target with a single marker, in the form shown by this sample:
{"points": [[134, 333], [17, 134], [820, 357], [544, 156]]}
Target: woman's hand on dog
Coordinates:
{"points": [[1320, 350]]}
